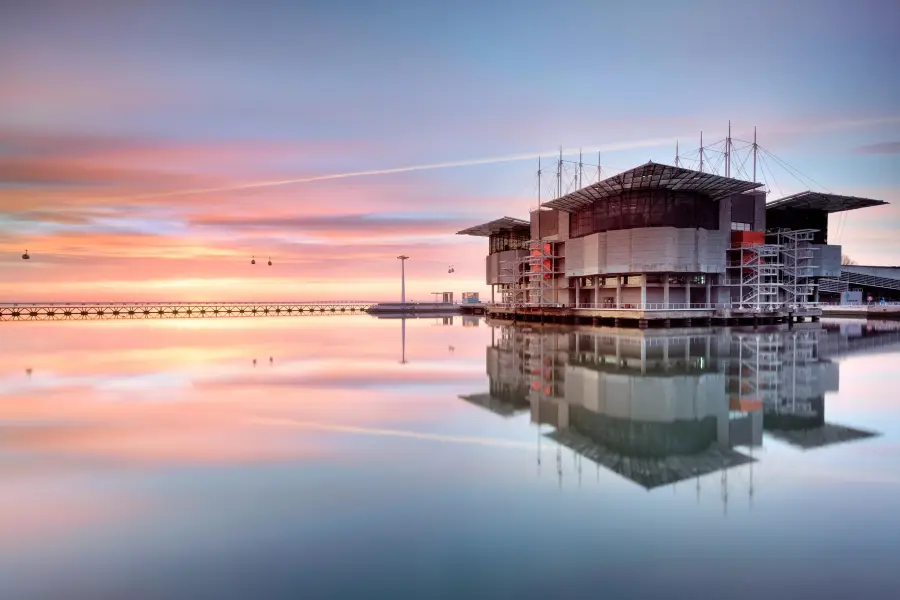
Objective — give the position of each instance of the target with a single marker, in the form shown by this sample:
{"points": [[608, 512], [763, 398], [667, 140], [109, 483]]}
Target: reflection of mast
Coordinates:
{"points": [[559, 464], [403, 340]]}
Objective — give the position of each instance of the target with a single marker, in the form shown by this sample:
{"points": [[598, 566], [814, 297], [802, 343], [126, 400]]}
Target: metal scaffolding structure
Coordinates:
{"points": [[512, 282], [797, 271], [540, 271], [531, 280], [754, 271]]}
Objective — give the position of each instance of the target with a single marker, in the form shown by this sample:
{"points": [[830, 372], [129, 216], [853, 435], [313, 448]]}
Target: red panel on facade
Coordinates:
{"points": [[747, 237]]}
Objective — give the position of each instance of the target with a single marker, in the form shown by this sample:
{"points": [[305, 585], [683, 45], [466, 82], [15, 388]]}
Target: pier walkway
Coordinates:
{"points": [[660, 314], [890, 310], [50, 311]]}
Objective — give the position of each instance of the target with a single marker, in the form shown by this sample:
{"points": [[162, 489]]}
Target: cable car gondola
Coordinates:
{"points": [[270, 261], [451, 269], [253, 261], [26, 256]]}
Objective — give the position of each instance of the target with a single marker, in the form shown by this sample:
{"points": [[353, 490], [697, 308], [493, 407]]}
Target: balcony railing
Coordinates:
{"points": [[744, 307]]}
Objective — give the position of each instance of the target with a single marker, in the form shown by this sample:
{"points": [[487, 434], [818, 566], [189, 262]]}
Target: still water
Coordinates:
{"points": [[314, 457]]}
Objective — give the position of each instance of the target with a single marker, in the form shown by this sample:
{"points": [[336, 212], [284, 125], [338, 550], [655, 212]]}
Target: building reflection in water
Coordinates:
{"points": [[664, 406]]}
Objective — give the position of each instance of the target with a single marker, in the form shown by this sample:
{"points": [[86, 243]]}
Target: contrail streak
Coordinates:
{"points": [[651, 143], [434, 437]]}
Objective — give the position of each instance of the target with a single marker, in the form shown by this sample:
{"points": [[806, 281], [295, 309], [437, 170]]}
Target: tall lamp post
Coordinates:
{"points": [[402, 258]]}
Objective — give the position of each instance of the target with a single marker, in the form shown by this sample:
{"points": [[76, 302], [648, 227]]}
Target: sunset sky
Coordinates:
{"points": [[149, 149]]}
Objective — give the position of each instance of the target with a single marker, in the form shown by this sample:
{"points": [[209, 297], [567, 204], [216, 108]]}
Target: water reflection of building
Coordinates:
{"points": [[664, 406]]}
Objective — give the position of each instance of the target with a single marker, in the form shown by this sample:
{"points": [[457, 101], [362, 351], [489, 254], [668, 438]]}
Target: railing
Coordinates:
{"points": [[131, 310], [662, 306]]}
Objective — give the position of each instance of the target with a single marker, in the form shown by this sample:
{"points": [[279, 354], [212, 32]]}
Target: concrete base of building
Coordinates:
{"points": [[645, 319]]}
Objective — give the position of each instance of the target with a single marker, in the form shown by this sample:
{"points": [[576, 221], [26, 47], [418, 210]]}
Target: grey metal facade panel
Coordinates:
{"points": [[618, 252], [827, 260], [648, 250], [759, 220], [725, 213], [599, 257], [576, 259]]}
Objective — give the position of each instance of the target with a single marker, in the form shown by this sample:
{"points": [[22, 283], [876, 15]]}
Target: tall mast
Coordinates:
{"points": [[754, 154], [539, 196], [559, 175], [599, 168], [676, 154], [580, 168], [701, 151], [728, 151]]}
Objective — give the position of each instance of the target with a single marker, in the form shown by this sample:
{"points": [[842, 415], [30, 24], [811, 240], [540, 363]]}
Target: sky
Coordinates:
{"points": [[149, 150]]}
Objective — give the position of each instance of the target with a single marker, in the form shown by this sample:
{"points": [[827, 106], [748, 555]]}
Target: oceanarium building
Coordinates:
{"points": [[665, 242]]}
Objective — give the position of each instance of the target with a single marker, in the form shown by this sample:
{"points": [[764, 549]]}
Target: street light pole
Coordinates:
{"points": [[403, 258]]}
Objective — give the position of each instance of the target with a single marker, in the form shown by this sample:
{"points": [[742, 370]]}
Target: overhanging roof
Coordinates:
{"points": [[653, 176], [829, 203], [496, 226]]}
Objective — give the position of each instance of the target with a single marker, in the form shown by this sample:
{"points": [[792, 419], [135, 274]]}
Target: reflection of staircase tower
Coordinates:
{"points": [[543, 366], [799, 385], [756, 378]]}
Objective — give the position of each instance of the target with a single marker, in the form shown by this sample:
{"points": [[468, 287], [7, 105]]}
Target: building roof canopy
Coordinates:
{"points": [[497, 226], [653, 176], [829, 203]]}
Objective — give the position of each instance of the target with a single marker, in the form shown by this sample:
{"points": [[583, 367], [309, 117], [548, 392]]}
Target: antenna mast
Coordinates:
{"points": [[598, 167], [559, 175], [728, 151], [580, 168], [676, 154], [701, 151], [754, 154]]}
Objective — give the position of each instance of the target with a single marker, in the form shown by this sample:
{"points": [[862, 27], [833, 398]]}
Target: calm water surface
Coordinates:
{"points": [[314, 457]]}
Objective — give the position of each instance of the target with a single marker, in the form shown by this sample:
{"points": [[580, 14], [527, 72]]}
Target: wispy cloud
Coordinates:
{"points": [[470, 162], [880, 148]]}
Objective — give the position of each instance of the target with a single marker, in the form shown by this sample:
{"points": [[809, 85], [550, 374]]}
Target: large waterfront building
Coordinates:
{"points": [[664, 238]]}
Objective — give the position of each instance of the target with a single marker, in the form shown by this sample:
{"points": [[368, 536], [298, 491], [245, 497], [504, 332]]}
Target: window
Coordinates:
{"points": [[741, 227], [508, 240]]}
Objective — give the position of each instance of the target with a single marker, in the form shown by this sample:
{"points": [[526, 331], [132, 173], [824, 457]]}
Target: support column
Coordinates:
{"points": [[577, 291], [492, 293], [618, 291], [596, 292], [643, 292], [666, 289], [708, 289]]}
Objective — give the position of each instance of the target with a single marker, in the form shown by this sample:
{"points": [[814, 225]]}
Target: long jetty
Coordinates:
{"points": [[51, 311]]}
